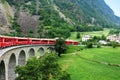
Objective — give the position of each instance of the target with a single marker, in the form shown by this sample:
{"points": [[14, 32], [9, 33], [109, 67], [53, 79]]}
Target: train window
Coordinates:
{"points": [[35, 40], [0, 39], [9, 39], [22, 40]]}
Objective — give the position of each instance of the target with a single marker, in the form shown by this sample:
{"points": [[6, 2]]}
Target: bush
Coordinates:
{"points": [[78, 35], [89, 45], [98, 46], [114, 44], [60, 46], [45, 68]]}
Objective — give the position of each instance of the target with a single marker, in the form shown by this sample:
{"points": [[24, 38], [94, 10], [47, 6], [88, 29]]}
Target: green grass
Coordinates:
{"points": [[105, 54], [81, 69], [93, 33]]}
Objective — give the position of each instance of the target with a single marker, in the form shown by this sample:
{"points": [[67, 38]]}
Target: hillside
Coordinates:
{"points": [[88, 12], [52, 18]]}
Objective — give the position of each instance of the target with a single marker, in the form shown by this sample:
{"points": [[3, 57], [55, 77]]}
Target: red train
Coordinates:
{"points": [[6, 41]]}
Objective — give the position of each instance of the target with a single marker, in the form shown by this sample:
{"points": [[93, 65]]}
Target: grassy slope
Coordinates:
{"points": [[93, 33], [85, 70]]}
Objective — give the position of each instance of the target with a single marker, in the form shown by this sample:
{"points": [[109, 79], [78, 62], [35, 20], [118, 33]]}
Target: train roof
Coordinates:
{"points": [[33, 38], [71, 40], [6, 36], [26, 38]]}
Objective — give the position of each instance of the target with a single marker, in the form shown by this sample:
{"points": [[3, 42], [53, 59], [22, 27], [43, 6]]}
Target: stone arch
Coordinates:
{"points": [[11, 67], [22, 58], [40, 52], [50, 49], [2, 71], [31, 52]]}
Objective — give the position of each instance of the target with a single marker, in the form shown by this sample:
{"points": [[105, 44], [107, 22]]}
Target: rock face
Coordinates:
{"points": [[5, 15], [3, 19], [28, 22]]}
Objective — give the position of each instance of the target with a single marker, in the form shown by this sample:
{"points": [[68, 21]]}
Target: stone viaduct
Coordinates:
{"points": [[18, 55]]}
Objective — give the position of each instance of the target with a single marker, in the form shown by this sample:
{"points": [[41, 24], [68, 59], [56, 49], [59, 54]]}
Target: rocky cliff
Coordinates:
{"points": [[28, 22], [6, 14]]}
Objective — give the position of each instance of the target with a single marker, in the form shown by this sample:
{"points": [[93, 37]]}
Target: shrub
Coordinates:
{"points": [[45, 68], [98, 46], [114, 44], [78, 35], [89, 45]]}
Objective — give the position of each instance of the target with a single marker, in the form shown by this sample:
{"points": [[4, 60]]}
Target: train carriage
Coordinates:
{"points": [[34, 40], [22, 41], [76, 43], [6, 41], [52, 41], [48, 41], [71, 42]]}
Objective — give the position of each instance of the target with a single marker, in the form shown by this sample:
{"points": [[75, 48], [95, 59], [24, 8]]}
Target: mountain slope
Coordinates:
{"points": [[88, 11], [52, 18]]}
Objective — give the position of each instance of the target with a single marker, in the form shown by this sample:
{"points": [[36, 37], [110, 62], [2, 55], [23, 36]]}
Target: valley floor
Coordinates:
{"points": [[82, 69]]}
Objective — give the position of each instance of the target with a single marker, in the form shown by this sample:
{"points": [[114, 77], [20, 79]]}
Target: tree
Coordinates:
{"points": [[114, 31], [96, 38], [3, 1], [45, 68], [103, 37], [15, 26], [89, 45], [30, 33], [114, 44], [78, 35], [60, 46], [40, 31], [98, 46]]}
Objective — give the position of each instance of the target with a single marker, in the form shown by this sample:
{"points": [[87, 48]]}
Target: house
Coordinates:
{"points": [[103, 42], [114, 38], [86, 38], [118, 41]]}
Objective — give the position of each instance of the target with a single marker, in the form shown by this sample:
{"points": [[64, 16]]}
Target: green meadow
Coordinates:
{"points": [[82, 69], [92, 33]]}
